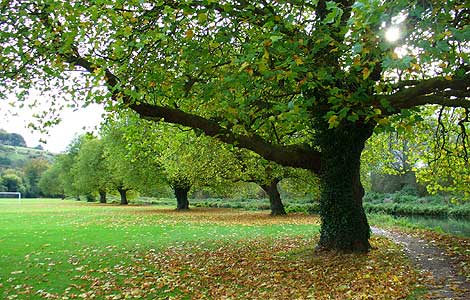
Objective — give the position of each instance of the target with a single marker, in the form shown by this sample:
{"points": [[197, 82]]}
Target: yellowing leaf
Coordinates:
{"points": [[333, 121], [298, 60], [415, 67], [384, 122], [366, 73], [189, 34], [243, 66], [448, 77]]}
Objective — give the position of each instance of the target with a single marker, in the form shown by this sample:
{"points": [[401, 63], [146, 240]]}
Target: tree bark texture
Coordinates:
{"points": [[181, 195], [275, 202], [102, 196], [344, 223], [123, 193]]}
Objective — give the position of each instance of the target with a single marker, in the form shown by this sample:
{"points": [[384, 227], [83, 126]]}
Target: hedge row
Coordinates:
{"points": [[399, 209]]}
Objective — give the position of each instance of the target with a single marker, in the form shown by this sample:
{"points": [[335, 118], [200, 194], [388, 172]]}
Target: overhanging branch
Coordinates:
{"points": [[440, 91], [291, 156]]}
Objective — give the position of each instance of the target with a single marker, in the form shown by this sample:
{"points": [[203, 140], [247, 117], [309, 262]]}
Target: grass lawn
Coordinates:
{"points": [[53, 249]]}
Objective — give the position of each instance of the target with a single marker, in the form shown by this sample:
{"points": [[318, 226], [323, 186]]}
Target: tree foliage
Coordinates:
{"points": [[435, 149], [51, 182], [91, 167], [290, 80], [33, 170]]}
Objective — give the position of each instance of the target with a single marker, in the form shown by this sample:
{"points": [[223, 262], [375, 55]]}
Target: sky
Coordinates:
{"points": [[74, 122]]}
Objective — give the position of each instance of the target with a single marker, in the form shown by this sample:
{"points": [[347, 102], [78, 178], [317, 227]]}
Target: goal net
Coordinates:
{"points": [[15, 195]]}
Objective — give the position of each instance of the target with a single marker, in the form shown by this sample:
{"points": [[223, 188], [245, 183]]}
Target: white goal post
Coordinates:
{"points": [[15, 194]]}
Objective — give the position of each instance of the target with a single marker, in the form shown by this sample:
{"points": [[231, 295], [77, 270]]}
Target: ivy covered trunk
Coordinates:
{"points": [[181, 194], [275, 202], [344, 223], [123, 194], [102, 196]]}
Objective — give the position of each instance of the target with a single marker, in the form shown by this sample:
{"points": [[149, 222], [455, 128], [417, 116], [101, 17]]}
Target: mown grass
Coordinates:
{"points": [[53, 249], [49, 241]]}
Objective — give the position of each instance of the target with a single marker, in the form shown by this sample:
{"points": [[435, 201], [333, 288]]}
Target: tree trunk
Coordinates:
{"points": [[344, 222], [275, 202], [123, 193], [90, 198], [181, 198], [102, 196]]}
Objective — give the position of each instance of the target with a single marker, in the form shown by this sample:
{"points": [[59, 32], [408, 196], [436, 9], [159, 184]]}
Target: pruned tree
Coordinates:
{"points": [[302, 83]]}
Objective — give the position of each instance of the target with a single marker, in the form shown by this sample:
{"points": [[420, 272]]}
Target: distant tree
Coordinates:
{"points": [[180, 157], [92, 170], [33, 170], [51, 182], [13, 181], [3, 188], [251, 167], [66, 163], [126, 171]]}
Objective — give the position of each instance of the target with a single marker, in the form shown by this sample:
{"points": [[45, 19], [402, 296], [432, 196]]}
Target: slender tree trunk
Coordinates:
{"points": [[344, 222], [181, 195], [123, 193], [275, 202], [102, 196]]}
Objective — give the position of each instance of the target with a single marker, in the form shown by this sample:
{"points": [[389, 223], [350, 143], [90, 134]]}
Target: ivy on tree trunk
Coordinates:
{"points": [[344, 223]]}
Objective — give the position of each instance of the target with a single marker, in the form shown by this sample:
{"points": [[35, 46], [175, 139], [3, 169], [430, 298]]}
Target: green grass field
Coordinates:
{"points": [[53, 249]]}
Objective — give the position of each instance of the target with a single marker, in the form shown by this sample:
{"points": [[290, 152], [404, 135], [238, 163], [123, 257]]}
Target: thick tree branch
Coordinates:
{"points": [[452, 93], [291, 156]]}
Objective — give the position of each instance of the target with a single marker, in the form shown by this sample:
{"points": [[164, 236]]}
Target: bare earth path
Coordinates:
{"points": [[429, 258]]}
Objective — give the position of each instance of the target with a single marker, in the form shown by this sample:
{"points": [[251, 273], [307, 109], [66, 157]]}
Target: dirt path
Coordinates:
{"points": [[428, 258]]}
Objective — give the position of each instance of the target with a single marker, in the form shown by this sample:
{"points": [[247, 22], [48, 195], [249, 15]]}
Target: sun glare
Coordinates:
{"points": [[392, 34]]}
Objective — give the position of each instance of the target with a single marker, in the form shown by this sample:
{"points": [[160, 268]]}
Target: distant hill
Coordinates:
{"points": [[14, 153], [11, 139]]}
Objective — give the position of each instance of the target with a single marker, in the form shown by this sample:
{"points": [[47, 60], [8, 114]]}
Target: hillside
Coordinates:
{"points": [[12, 157]]}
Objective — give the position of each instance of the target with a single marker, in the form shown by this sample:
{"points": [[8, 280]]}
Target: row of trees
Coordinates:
{"points": [[147, 158], [25, 179]]}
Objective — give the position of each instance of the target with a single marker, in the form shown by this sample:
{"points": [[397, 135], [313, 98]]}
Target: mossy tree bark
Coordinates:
{"points": [[181, 194], [344, 223], [275, 202]]}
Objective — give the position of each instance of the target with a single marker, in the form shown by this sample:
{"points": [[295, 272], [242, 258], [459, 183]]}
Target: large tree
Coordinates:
{"points": [[302, 83]]}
